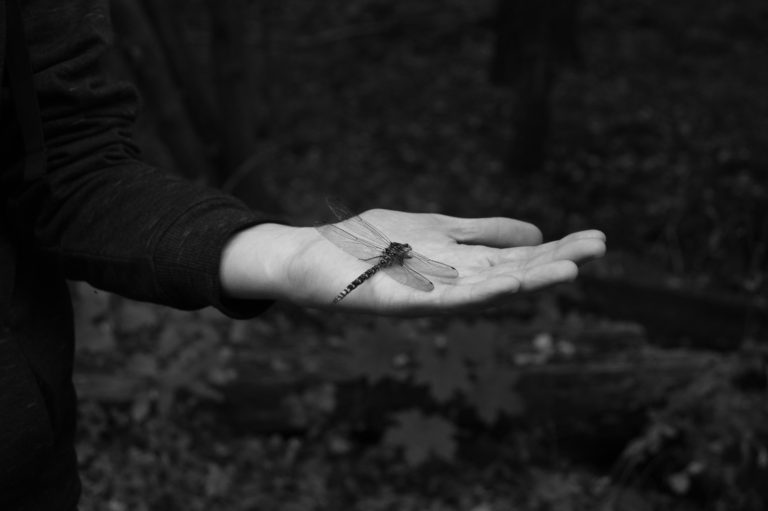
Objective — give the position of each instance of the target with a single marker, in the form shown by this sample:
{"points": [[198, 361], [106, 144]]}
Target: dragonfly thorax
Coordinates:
{"points": [[397, 252]]}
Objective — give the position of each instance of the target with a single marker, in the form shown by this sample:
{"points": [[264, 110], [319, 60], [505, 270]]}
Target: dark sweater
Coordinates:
{"points": [[98, 214]]}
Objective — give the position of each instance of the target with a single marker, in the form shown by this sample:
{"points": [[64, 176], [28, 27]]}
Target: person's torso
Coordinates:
{"points": [[38, 467]]}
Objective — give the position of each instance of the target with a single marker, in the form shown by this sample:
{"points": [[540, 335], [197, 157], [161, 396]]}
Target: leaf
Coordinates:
{"points": [[475, 343], [241, 332], [630, 500], [98, 337], [493, 394], [679, 482], [133, 316], [373, 352], [203, 391], [143, 364], [554, 490], [422, 437], [444, 371], [200, 331], [218, 480], [170, 340], [140, 407], [92, 319]]}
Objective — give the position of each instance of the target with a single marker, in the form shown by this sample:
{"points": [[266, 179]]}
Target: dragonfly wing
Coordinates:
{"points": [[408, 277], [338, 208], [360, 224], [365, 231], [423, 264], [364, 241], [349, 243], [355, 223]]}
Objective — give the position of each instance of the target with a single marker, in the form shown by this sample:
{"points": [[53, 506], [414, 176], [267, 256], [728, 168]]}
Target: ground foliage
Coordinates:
{"points": [[152, 437], [657, 139]]}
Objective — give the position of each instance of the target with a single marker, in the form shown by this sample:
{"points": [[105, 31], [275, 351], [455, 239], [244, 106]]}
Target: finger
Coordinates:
{"points": [[549, 274], [494, 232], [580, 247], [567, 241], [479, 293], [588, 234], [577, 250]]}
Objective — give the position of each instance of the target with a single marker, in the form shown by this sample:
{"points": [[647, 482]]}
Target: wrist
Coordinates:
{"points": [[255, 260]]}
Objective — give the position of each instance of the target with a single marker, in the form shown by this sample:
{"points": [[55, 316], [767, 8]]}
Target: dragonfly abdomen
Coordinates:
{"points": [[367, 274]]}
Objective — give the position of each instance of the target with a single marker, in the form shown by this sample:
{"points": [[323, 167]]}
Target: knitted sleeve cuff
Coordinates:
{"points": [[188, 256]]}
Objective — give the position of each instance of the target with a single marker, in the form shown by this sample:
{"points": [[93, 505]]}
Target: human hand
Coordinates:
{"points": [[497, 258]]}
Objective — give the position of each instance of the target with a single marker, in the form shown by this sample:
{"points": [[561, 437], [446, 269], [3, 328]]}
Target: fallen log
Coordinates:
{"points": [[677, 316], [588, 408]]}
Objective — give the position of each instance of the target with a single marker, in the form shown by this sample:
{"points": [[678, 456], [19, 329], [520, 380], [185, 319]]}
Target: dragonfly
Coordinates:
{"points": [[399, 261]]}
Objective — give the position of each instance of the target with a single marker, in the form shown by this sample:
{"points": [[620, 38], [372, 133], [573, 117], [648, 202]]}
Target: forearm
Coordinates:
{"points": [[257, 262], [99, 213]]}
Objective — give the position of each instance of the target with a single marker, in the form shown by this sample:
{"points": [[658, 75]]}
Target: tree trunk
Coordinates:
{"points": [[533, 40]]}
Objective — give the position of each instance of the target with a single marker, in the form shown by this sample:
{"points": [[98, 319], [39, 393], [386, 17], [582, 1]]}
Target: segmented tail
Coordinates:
{"points": [[367, 274]]}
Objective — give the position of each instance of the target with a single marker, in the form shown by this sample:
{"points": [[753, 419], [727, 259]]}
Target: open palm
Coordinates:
{"points": [[496, 259]]}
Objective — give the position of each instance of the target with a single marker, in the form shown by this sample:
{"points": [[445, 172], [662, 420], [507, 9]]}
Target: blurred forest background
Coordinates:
{"points": [[642, 386]]}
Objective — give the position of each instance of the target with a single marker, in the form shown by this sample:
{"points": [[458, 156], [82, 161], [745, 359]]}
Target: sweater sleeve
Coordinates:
{"points": [[100, 213]]}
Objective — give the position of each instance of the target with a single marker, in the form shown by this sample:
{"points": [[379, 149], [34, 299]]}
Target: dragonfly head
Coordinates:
{"points": [[400, 249]]}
